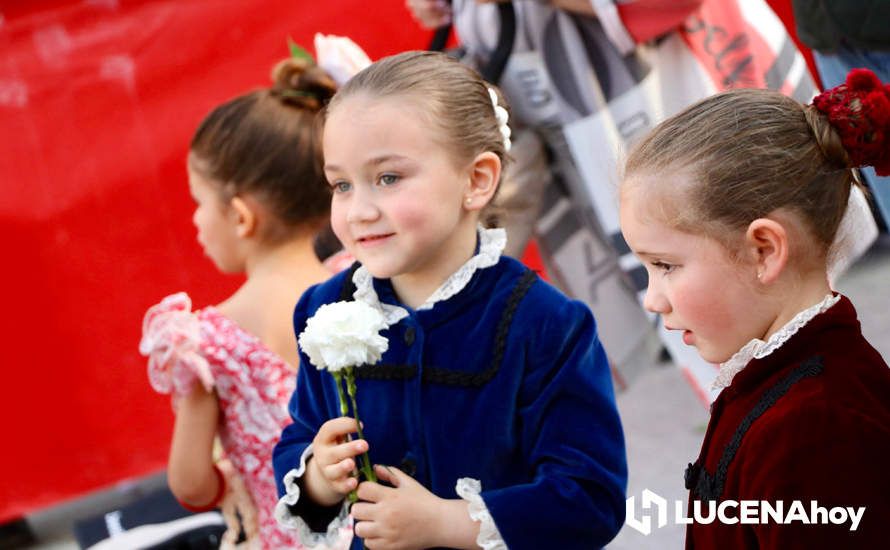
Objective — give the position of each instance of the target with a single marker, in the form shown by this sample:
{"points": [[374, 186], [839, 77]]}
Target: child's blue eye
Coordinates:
{"points": [[388, 179], [341, 186], [667, 268]]}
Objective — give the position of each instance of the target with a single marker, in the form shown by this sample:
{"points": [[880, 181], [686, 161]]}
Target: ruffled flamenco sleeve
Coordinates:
{"points": [[171, 339]]}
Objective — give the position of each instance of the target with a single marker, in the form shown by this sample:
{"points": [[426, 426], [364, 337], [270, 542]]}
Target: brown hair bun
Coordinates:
{"points": [[268, 143], [303, 84]]}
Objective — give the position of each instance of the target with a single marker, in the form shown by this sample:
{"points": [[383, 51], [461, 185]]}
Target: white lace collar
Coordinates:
{"points": [[757, 349], [491, 245]]}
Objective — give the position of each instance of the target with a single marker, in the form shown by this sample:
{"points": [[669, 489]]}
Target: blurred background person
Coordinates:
{"points": [[261, 197]]}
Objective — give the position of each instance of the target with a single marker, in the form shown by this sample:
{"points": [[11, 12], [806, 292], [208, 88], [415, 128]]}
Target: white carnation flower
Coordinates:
{"points": [[344, 334]]}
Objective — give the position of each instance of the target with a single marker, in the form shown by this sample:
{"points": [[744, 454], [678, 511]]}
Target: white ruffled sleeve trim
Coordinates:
{"points": [[171, 339], [758, 349], [489, 537], [341, 525], [491, 246], [607, 13]]}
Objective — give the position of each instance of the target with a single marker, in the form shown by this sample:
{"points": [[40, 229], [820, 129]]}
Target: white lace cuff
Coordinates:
{"points": [[607, 13], [334, 536], [489, 537]]}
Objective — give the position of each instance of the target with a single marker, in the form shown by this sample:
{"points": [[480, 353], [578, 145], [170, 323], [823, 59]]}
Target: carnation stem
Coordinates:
{"points": [[344, 411], [344, 407], [350, 387]]}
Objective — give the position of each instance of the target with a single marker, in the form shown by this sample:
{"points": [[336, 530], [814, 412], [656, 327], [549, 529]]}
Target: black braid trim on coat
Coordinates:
{"points": [[708, 487], [386, 372], [438, 375], [448, 377]]}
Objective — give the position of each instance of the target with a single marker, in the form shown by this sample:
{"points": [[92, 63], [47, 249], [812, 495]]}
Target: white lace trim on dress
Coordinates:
{"points": [[757, 349], [491, 245], [489, 537], [308, 537]]}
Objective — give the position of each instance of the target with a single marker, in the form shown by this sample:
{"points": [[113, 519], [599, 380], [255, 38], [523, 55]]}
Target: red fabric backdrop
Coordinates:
{"points": [[98, 99]]}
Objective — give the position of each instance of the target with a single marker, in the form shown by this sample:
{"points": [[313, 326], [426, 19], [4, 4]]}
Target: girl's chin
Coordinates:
{"points": [[378, 269], [228, 267], [713, 356]]}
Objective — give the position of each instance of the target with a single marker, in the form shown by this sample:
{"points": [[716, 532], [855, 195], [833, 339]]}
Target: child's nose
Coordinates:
{"points": [[654, 300], [362, 208]]}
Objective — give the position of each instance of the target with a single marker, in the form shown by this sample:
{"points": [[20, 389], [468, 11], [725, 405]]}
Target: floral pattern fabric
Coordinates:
{"points": [[252, 383]]}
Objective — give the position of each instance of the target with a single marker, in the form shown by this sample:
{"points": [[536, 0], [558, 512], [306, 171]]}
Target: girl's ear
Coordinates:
{"points": [[484, 172], [244, 216], [766, 241]]}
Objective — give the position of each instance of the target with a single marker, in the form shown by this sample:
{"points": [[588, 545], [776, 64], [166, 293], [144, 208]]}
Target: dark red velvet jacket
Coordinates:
{"points": [[817, 412]]}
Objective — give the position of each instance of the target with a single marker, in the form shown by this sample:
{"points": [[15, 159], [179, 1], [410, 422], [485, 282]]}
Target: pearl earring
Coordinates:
{"points": [[469, 201]]}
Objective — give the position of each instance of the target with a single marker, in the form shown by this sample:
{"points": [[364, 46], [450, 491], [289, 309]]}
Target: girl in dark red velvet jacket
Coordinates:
{"points": [[734, 206]]}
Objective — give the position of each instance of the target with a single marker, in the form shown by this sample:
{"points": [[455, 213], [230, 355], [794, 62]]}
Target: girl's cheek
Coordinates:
{"points": [[338, 222], [411, 214]]}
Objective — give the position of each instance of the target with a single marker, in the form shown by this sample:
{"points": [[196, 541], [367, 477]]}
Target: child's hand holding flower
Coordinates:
{"points": [[330, 473], [339, 337]]}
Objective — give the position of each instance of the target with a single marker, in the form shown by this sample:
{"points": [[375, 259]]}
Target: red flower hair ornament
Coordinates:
{"points": [[859, 110]]}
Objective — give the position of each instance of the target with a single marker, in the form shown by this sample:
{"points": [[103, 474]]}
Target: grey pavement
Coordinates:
{"points": [[663, 421]]}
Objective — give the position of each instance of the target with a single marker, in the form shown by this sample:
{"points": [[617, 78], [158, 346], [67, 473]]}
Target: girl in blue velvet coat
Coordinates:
{"points": [[491, 417]]}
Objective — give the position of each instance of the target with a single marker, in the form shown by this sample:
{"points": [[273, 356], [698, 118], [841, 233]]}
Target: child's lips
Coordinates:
{"points": [[374, 240], [687, 335]]}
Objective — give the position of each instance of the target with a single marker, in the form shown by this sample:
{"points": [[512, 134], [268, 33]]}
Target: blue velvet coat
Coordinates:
{"points": [[539, 428]]}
